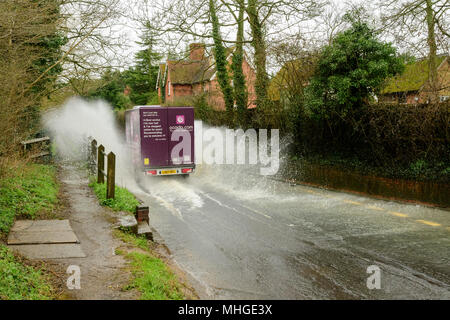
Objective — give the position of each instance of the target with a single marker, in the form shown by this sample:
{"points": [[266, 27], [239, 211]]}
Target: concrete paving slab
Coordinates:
{"points": [[144, 229], [41, 225], [48, 237], [50, 251]]}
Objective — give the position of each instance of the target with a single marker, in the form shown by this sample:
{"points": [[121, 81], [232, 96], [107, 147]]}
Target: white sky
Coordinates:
{"points": [[314, 30]]}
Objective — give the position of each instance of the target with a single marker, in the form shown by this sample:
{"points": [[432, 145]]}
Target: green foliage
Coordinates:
{"points": [[414, 76], [51, 53], [206, 113], [124, 200], [140, 79], [201, 107], [48, 49], [179, 102], [257, 26], [397, 141], [20, 282], [153, 279], [138, 241], [31, 191], [123, 102], [418, 166], [112, 88], [349, 70], [153, 99], [239, 83]]}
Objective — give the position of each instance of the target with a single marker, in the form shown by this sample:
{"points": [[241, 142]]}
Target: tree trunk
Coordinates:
{"points": [[259, 46], [221, 62], [240, 87], [432, 72]]}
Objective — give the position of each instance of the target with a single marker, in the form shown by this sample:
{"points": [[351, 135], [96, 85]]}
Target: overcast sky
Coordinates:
{"points": [[314, 30]]}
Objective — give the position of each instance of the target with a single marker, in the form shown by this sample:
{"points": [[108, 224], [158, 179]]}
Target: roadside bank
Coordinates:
{"points": [[435, 193]]}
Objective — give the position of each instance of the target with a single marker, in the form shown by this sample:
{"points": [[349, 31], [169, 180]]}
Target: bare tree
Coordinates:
{"points": [[177, 21], [24, 27], [411, 19], [93, 43]]}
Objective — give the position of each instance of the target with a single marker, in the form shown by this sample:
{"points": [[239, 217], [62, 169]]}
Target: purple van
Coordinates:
{"points": [[161, 139]]}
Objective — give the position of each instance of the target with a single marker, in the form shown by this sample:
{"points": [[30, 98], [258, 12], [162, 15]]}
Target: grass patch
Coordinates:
{"points": [[124, 199], [30, 191], [137, 241], [153, 279], [21, 282]]}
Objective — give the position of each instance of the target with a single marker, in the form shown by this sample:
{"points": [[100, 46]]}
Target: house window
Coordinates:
{"points": [[402, 98], [168, 89]]}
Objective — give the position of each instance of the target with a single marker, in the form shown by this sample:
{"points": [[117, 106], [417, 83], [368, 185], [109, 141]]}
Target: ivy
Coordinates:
{"points": [[221, 60]]}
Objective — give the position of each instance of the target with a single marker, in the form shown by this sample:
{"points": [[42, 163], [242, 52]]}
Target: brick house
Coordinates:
{"points": [[181, 80], [412, 86]]}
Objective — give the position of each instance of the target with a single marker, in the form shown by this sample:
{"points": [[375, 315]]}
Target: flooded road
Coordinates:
{"points": [[243, 236]]}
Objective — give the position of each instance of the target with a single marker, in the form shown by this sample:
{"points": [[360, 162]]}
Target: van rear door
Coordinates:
{"points": [[181, 118], [154, 137]]}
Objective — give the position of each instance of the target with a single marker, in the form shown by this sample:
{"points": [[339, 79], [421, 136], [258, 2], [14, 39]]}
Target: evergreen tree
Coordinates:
{"points": [[349, 70], [143, 76]]}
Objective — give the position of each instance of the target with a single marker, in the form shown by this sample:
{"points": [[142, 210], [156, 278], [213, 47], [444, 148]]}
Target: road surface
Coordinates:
{"points": [[243, 236]]}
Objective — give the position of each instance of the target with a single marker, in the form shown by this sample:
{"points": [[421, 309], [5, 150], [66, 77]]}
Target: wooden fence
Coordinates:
{"points": [[97, 159], [43, 144]]}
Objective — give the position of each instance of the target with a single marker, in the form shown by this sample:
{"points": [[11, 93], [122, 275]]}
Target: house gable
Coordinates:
{"points": [[184, 78]]}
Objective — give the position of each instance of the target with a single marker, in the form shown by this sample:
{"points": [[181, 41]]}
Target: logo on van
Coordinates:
{"points": [[180, 119]]}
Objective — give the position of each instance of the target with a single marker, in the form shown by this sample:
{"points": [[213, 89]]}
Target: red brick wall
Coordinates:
{"points": [[216, 99], [197, 51], [250, 78]]}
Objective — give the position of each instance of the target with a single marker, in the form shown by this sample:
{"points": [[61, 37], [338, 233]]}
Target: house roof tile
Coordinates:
{"points": [[413, 78]]}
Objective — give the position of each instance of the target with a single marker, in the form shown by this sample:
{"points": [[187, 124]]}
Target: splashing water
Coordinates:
{"points": [[77, 120]]}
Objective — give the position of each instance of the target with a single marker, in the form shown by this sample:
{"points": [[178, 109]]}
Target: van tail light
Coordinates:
{"points": [[186, 170], [153, 172]]}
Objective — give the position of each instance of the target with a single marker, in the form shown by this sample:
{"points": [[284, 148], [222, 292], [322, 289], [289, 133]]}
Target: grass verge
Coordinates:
{"points": [[19, 281], [151, 276], [124, 200], [29, 192]]}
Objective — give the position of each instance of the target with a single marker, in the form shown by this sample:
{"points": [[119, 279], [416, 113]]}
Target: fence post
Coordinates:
{"points": [[101, 164], [94, 150], [110, 177], [93, 155]]}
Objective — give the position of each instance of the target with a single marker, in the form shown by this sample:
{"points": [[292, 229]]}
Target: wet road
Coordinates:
{"points": [[241, 236]]}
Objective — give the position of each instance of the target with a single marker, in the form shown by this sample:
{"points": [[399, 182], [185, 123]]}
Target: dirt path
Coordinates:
{"points": [[102, 272]]}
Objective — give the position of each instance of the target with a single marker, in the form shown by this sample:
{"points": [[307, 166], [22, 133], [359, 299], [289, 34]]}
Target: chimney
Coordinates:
{"points": [[197, 51]]}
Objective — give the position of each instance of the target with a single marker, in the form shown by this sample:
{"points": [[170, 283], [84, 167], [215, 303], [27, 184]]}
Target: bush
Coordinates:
{"points": [[349, 71], [412, 137]]}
